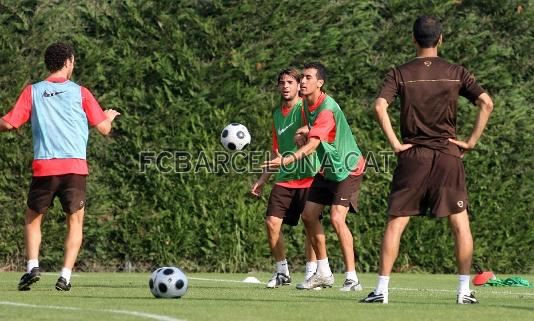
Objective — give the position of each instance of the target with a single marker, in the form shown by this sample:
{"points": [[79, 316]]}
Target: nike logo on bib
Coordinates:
{"points": [[281, 131], [49, 94]]}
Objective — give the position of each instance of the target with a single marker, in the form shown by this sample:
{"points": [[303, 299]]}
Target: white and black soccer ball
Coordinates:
{"points": [[168, 282], [235, 137]]}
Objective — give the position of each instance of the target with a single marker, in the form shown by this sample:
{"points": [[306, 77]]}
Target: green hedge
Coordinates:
{"points": [[179, 71]]}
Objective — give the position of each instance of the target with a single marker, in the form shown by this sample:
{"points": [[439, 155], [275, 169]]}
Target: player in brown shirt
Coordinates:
{"points": [[429, 178]]}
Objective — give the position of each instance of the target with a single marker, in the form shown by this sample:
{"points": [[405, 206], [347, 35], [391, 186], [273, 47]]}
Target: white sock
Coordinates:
{"points": [[323, 268], [281, 267], [383, 284], [311, 268], [351, 275], [65, 273], [31, 264], [463, 287]]}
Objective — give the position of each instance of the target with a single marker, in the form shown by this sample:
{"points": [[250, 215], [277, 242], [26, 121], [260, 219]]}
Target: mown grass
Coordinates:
{"points": [[125, 296]]}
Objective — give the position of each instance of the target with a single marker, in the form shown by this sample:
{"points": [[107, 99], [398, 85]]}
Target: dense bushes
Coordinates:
{"points": [[179, 71]]}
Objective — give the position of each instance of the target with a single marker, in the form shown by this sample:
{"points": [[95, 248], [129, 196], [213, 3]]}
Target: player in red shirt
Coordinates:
{"points": [[60, 111]]}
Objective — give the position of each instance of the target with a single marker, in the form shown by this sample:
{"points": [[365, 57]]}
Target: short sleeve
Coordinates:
{"points": [[95, 114], [469, 89], [390, 87], [323, 126], [21, 112]]}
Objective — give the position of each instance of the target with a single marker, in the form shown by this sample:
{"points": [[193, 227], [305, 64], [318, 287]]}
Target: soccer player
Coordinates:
{"points": [[429, 178], [338, 182], [60, 111], [288, 196]]}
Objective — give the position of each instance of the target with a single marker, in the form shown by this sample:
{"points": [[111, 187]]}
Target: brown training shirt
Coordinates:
{"points": [[429, 88]]}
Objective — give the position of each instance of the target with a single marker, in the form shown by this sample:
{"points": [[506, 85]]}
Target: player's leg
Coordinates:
{"points": [[277, 207], [71, 193], [388, 255], [277, 246], [275, 237], [391, 243], [73, 243], [406, 198], [32, 241], [448, 197], [311, 259], [345, 198], [40, 197], [464, 255], [32, 233], [315, 232], [314, 228], [338, 215]]}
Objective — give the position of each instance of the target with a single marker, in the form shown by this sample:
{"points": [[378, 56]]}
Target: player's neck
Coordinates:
{"points": [[292, 102], [427, 52], [313, 97], [59, 74]]}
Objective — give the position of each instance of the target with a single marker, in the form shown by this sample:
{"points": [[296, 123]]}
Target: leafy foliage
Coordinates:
{"points": [[179, 71]]}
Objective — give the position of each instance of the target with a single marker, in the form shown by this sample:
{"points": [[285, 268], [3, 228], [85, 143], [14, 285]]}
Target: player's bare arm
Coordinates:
{"points": [[104, 127], [257, 187], [301, 136], [485, 105], [5, 126], [381, 106], [310, 147]]}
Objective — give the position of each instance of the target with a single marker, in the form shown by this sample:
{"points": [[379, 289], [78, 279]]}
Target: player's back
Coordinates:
{"points": [[429, 88]]}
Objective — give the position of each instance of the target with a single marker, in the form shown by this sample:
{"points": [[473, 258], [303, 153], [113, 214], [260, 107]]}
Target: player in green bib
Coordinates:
{"points": [[289, 194], [337, 184]]}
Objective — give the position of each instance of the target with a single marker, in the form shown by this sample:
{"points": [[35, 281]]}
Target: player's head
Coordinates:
{"points": [[313, 78], [289, 83], [427, 31], [58, 56]]}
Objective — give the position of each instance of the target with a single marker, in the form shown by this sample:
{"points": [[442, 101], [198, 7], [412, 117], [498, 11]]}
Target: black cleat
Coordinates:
{"points": [[375, 298], [62, 285], [29, 278], [466, 298], [278, 279]]}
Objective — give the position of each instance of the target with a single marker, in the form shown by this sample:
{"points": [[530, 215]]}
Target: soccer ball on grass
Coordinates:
{"points": [[168, 282]]}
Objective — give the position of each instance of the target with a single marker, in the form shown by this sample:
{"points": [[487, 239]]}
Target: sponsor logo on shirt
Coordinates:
{"points": [[50, 94], [282, 130]]}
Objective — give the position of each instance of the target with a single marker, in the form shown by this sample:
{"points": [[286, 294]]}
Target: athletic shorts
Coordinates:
{"points": [[345, 193], [427, 182], [70, 189], [287, 203]]}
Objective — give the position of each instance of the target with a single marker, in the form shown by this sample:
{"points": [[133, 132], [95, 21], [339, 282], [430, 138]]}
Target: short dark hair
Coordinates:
{"points": [[292, 72], [426, 31], [56, 54], [321, 69]]}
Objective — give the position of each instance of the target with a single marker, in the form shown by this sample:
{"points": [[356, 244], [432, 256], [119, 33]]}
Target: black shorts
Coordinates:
{"points": [[287, 203], [345, 193], [427, 182], [70, 189]]}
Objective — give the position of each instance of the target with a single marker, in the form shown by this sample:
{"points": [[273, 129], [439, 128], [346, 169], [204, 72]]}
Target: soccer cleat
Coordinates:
{"points": [[62, 285], [351, 285], [300, 286], [317, 281], [375, 298], [278, 279], [466, 298], [29, 278]]}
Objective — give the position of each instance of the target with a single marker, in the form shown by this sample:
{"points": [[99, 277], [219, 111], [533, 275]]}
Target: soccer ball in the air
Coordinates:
{"points": [[235, 137], [168, 282]]}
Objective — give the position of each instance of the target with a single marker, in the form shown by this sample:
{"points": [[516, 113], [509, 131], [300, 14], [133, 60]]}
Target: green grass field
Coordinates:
{"points": [[125, 296]]}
